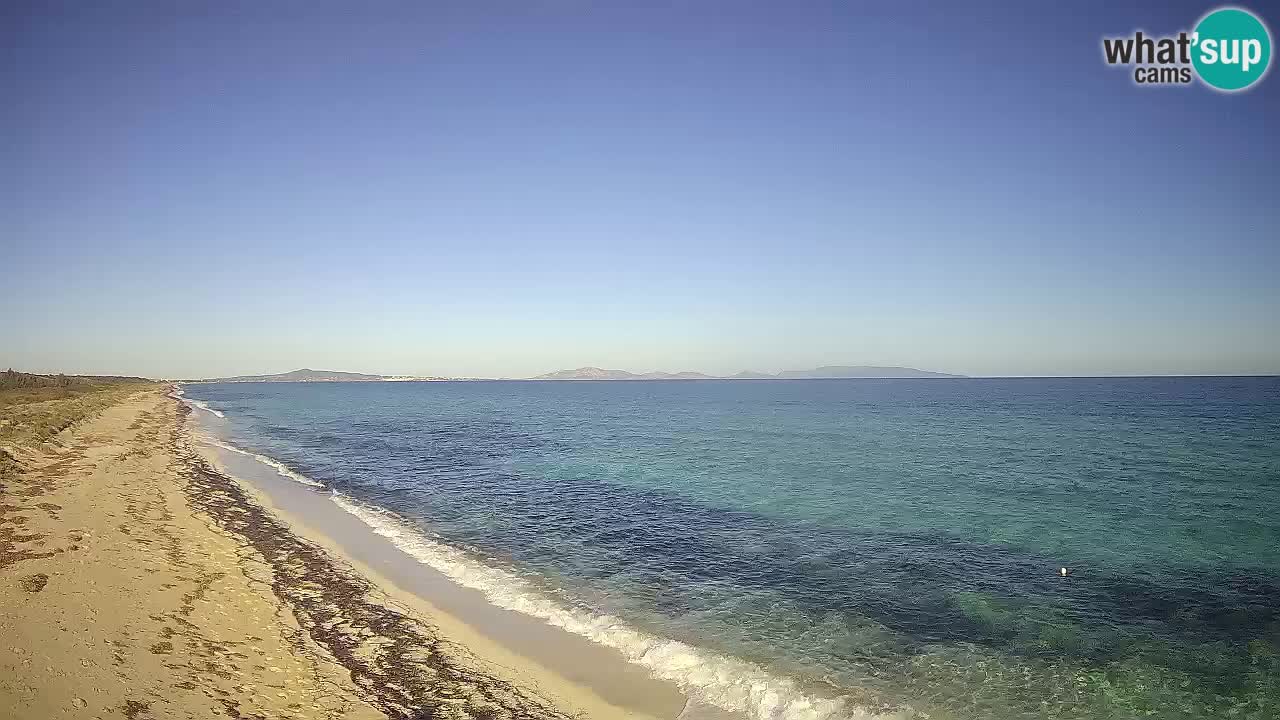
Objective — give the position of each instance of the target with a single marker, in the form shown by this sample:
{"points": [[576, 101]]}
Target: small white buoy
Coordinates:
{"points": [[1064, 572]]}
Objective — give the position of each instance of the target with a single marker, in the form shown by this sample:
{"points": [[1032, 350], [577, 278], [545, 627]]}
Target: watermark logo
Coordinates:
{"points": [[1229, 50], [1234, 49]]}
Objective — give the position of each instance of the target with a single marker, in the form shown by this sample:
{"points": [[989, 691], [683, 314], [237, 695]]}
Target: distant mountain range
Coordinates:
{"points": [[595, 373], [309, 375], [827, 371]]}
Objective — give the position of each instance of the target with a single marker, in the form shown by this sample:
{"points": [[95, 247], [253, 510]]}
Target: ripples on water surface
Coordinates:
{"points": [[894, 543]]}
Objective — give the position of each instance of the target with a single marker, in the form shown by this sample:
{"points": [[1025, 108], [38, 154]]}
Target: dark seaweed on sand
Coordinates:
{"points": [[403, 666]]}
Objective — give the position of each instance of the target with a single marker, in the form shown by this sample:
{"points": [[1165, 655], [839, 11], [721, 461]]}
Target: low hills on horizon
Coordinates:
{"points": [[824, 372], [595, 373], [309, 375]]}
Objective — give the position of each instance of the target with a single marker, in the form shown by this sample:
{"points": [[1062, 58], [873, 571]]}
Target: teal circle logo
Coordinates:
{"points": [[1231, 49]]}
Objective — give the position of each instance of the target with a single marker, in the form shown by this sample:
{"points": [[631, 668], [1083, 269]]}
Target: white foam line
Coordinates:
{"points": [[725, 682], [278, 466], [202, 406]]}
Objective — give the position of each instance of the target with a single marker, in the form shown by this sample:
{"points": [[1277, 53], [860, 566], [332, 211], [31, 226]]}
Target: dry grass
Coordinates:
{"points": [[30, 416]]}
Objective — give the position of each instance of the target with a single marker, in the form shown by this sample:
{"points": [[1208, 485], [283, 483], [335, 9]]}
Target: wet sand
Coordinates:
{"points": [[549, 655], [137, 579]]}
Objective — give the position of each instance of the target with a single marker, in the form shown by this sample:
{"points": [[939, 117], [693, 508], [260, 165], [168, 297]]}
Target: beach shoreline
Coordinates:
{"points": [[589, 678], [139, 580]]}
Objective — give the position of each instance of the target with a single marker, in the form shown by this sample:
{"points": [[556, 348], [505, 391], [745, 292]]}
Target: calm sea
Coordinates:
{"points": [[821, 548]]}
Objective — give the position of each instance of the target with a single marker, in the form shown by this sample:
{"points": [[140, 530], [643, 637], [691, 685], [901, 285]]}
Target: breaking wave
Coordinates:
{"points": [[202, 405], [278, 466], [725, 682]]}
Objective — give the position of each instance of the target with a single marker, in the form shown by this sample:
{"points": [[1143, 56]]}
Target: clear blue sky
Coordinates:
{"points": [[511, 188]]}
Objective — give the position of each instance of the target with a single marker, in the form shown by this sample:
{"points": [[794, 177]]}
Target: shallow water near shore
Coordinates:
{"points": [[575, 659], [804, 549]]}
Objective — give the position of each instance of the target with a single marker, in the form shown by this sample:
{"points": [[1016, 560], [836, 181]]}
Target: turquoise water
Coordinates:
{"points": [[863, 545]]}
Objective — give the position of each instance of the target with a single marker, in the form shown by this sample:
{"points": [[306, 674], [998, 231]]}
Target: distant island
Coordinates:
{"points": [[595, 373], [827, 371], [309, 375]]}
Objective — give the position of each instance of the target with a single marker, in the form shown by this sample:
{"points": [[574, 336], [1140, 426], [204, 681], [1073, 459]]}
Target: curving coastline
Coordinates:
{"points": [[716, 686], [139, 580], [118, 597], [404, 666], [533, 673]]}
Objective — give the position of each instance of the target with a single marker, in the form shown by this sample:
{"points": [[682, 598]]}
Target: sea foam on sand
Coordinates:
{"points": [[724, 682], [276, 465], [201, 405], [709, 679]]}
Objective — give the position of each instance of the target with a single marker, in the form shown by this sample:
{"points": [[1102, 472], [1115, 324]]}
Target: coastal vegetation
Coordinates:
{"points": [[34, 408]]}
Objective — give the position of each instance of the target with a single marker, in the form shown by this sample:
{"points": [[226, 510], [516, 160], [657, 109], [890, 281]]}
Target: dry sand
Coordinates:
{"points": [[136, 580]]}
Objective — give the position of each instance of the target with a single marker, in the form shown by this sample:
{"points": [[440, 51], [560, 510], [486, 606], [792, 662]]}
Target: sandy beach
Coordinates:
{"points": [[138, 579]]}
